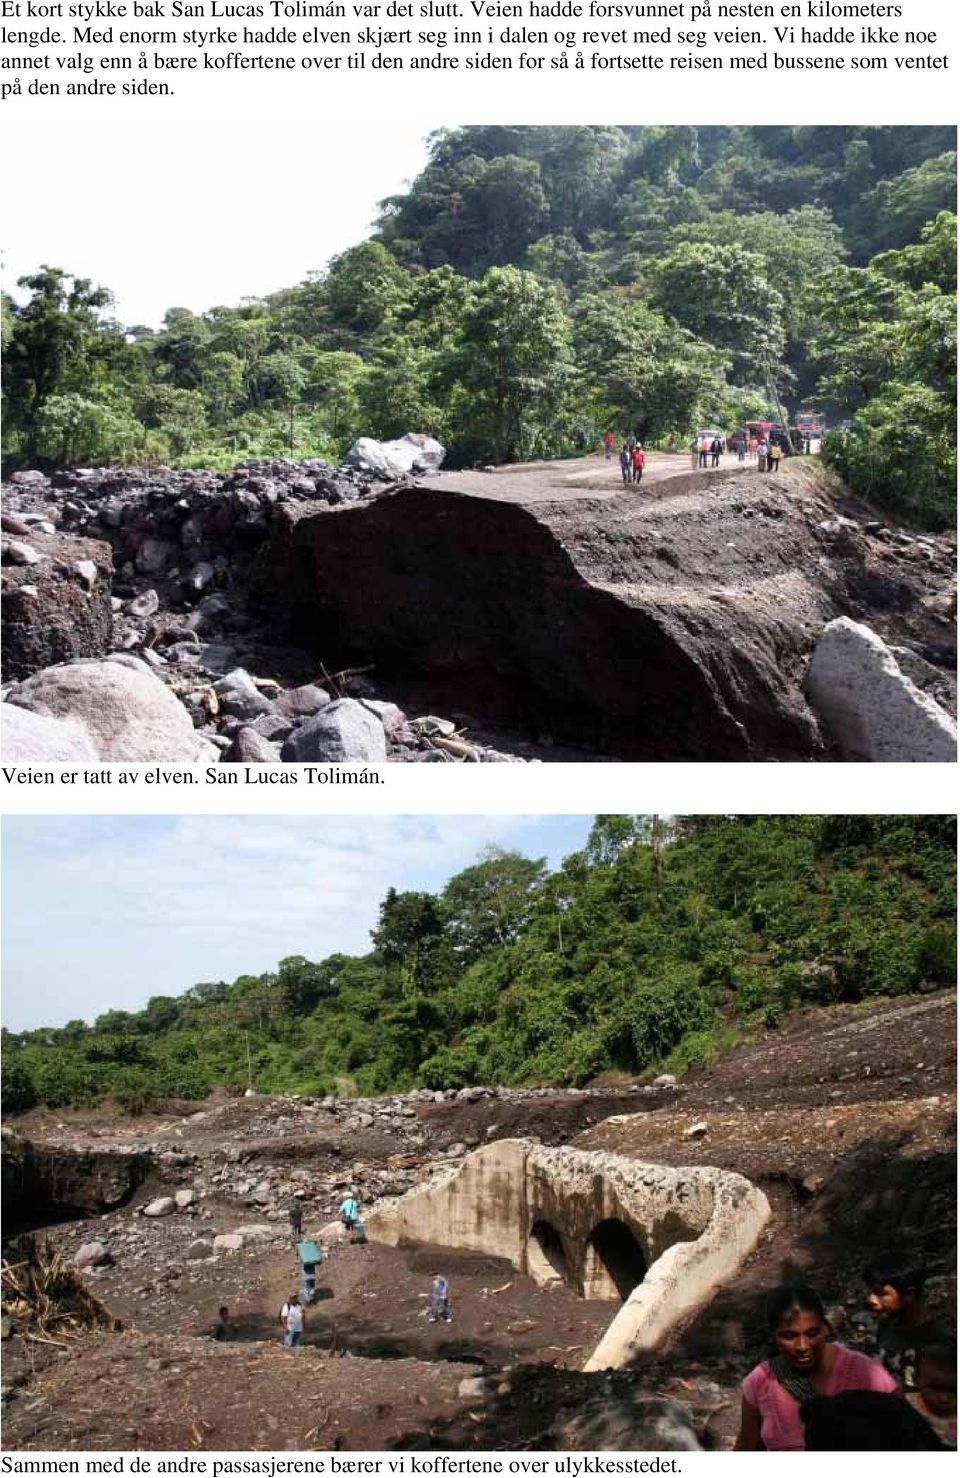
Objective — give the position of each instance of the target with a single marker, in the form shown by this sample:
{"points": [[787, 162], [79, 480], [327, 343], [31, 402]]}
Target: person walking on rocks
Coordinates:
{"points": [[350, 1214], [295, 1218], [291, 1317], [439, 1299]]}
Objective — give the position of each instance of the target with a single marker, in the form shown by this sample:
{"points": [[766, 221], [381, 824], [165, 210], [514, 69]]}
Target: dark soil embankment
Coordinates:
{"points": [[43, 1183], [669, 622]]}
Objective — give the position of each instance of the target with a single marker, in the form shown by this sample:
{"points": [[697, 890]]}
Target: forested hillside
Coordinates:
{"points": [[536, 285], [655, 945]]}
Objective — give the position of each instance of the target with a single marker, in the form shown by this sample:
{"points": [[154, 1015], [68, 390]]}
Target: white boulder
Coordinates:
{"points": [[92, 1255], [162, 1206], [125, 711], [227, 1242], [35, 739], [411, 454], [868, 706]]}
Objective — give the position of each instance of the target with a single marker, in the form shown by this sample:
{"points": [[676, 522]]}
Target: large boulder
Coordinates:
{"points": [[162, 1206], [869, 707], [125, 711], [614, 1423], [55, 603], [394, 459], [343, 732], [33, 739]]}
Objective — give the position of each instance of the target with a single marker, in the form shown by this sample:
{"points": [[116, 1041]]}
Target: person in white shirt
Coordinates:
{"points": [[291, 1317]]}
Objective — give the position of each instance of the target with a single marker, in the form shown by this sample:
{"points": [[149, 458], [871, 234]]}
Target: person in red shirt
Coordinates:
{"points": [[608, 443], [639, 461]]}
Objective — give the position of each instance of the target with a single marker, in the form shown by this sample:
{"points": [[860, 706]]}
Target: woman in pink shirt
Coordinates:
{"points": [[807, 1363]]}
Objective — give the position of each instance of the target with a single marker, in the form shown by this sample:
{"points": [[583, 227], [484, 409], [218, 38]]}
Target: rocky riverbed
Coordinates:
{"points": [[854, 1147]]}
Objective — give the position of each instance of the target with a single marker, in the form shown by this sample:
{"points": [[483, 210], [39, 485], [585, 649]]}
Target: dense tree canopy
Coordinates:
{"points": [[661, 940], [535, 285]]}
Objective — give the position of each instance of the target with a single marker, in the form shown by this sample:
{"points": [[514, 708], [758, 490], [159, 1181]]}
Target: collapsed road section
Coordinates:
{"points": [[670, 623]]}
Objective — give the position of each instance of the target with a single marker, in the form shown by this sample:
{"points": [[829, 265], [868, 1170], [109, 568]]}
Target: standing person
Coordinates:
{"points": [[439, 1299], [608, 442], [741, 449], [806, 1363], [626, 462], [761, 456], [774, 453], [222, 1329], [703, 450], [350, 1213], [935, 1398], [716, 447], [291, 1316], [904, 1323], [639, 462], [295, 1218]]}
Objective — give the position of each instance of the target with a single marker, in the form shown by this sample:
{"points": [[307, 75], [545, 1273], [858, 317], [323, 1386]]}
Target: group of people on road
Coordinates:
{"points": [[708, 447], [633, 458], [707, 452], [815, 1394], [769, 451]]}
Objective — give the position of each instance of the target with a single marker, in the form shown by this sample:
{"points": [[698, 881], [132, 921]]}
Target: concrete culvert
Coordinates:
{"points": [[546, 1259], [614, 1263], [661, 1238]]}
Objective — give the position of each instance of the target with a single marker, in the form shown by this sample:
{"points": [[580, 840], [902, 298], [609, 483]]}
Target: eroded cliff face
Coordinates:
{"points": [[653, 628], [41, 1182]]}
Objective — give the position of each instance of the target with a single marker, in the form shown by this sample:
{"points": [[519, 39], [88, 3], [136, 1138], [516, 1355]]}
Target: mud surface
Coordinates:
{"points": [[845, 1118]]}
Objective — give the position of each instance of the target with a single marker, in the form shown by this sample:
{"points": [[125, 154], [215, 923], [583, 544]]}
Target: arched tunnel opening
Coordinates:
{"points": [[546, 1256], [615, 1262]]}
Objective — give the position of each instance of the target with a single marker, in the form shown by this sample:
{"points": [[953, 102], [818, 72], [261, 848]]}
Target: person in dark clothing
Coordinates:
{"points": [[865, 1421], [222, 1329], [716, 447], [295, 1218], [904, 1323], [936, 1395], [626, 462]]}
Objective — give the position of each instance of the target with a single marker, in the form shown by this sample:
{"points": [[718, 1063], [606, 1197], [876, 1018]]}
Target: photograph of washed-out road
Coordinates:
{"points": [[626, 1132], [600, 443]]}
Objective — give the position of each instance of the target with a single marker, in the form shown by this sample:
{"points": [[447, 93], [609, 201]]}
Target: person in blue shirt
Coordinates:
{"points": [[350, 1214], [439, 1299]]}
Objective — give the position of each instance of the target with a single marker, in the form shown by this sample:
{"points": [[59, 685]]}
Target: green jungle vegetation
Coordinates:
{"points": [[653, 948], [536, 285]]}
